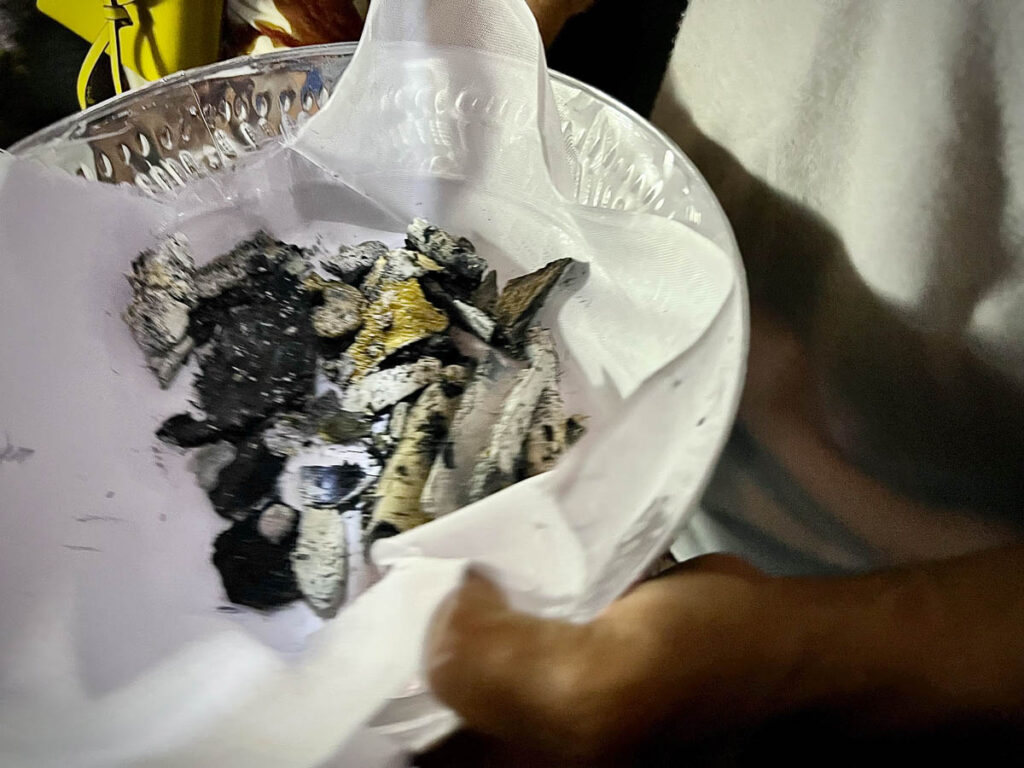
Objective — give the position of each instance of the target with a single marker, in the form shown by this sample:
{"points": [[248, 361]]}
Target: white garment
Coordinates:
{"points": [[897, 130]]}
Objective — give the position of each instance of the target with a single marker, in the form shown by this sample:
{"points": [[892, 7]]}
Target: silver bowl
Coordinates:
{"points": [[203, 121], [199, 122]]}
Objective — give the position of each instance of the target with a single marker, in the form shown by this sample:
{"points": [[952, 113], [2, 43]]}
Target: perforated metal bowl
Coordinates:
{"points": [[199, 122]]}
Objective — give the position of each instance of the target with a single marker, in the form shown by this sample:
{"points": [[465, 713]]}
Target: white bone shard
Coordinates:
{"points": [[498, 462], [401, 483], [546, 439], [320, 557], [382, 389], [397, 424], [447, 487]]}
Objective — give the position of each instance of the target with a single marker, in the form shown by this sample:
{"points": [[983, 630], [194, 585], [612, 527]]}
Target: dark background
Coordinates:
{"points": [[39, 62], [619, 46]]}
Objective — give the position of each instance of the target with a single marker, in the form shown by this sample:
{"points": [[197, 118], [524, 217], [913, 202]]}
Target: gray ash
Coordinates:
{"points": [[163, 294], [241, 277], [340, 314], [209, 461], [251, 477], [456, 254], [277, 522], [353, 262], [344, 427], [238, 268], [186, 431]]}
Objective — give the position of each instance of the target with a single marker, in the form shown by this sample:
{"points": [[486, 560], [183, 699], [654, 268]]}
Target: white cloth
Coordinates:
{"points": [[875, 179]]}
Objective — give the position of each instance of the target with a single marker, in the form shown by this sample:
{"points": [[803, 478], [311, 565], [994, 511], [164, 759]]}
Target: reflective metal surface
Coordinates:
{"points": [[197, 123]]}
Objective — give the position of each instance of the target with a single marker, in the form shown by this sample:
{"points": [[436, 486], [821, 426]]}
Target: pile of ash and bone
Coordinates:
{"points": [[397, 382]]}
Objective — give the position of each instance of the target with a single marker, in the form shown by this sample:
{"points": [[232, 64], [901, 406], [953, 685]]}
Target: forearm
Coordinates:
{"points": [[715, 645], [915, 647], [708, 650]]}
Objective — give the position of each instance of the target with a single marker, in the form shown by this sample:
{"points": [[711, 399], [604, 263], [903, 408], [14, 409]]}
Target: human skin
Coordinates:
{"points": [[715, 645]]}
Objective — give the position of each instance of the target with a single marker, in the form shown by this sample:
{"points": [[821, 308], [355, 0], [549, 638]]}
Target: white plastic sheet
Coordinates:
{"points": [[113, 649]]}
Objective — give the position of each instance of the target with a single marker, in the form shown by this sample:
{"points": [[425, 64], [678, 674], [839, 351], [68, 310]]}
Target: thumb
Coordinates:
{"points": [[506, 673]]}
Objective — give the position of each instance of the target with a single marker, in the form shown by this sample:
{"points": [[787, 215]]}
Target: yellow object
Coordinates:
{"points": [[399, 316], [150, 37]]}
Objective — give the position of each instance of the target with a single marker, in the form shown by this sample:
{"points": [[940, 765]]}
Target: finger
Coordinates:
{"points": [[478, 601], [506, 673]]}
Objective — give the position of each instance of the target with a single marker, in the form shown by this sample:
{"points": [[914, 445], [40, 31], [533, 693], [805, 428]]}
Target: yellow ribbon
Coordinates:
{"points": [[109, 41]]}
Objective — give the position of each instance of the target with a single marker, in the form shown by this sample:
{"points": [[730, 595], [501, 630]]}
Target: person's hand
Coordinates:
{"points": [[688, 652], [551, 15], [714, 644]]}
